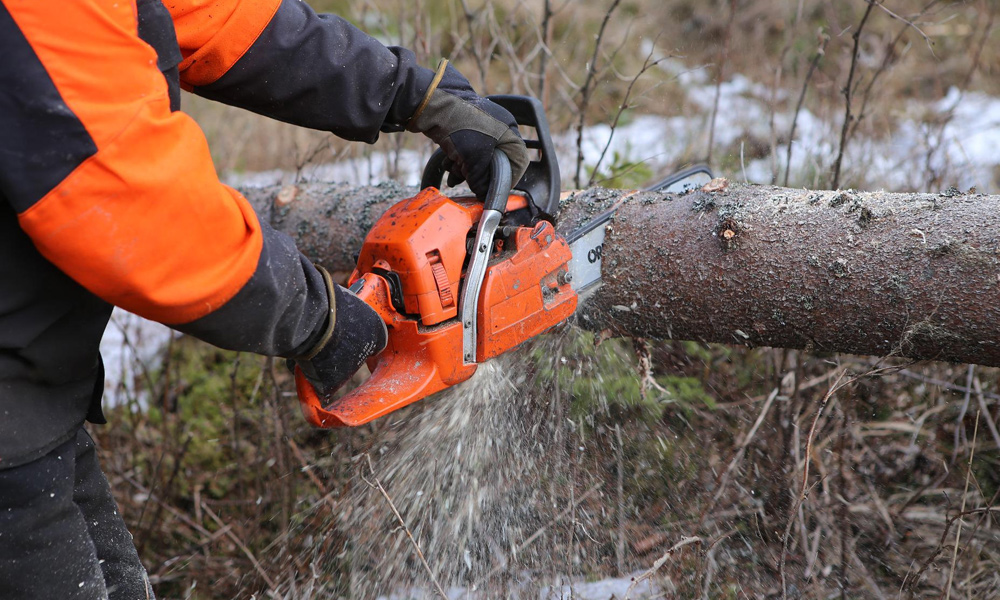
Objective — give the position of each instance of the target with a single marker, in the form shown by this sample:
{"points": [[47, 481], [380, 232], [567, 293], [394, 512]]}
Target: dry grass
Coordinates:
{"points": [[856, 474]]}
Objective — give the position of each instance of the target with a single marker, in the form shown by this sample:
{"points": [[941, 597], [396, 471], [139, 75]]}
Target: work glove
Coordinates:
{"points": [[468, 128], [353, 332]]}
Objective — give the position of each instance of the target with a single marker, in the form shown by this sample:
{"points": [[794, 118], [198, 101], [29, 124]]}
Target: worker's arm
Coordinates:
{"points": [[280, 59], [120, 192]]}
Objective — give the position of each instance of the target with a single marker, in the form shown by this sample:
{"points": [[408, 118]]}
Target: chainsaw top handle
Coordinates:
{"points": [[493, 209], [541, 182]]}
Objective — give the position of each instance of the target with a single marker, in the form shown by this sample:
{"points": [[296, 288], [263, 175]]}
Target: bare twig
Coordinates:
{"points": [[743, 163], [158, 511], [812, 429], [802, 97], [243, 548], [788, 532], [711, 564], [910, 582], [661, 561], [779, 73], [889, 56], [965, 497], [841, 513], [170, 509], [720, 73], [620, 490], [416, 547], [978, 54], [587, 89], [959, 428], [648, 64], [804, 490], [541, 530], [308, 470], [989, 419], [934, 177], [740, 452], [947, 385], [930, 44], [848, 117], [477, 54], [543, 57]]}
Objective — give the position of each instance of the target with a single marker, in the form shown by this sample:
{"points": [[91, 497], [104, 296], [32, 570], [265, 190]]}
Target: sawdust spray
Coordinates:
{"points": [[470, 473]]}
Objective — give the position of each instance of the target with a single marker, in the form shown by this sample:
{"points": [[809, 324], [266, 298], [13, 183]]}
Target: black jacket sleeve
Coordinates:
{"points": [[319, 71]]}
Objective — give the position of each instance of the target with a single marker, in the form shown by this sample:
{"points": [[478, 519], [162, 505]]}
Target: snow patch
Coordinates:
{"points": [[577, 590], [132, 348]]}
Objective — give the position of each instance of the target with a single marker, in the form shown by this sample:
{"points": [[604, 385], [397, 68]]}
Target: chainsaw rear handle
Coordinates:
{"points": [[347, 410], [541, 182]]}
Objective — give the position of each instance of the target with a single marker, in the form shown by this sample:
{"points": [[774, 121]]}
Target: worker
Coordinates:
{"points": [[108, 197]]}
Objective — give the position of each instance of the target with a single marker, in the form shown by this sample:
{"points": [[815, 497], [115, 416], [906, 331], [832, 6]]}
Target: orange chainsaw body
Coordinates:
{"points": [[411, 270]]}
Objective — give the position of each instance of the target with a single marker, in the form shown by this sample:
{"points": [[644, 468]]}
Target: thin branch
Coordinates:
{"points": [[947, 385], [325, 495], [989, 419], [847, 96], [378, 485], [541, 530], [887, 60], [804, 490], [812, 429], [788, 532], [965, 497], [961, 414], [802, 97], [587, 89], [620, 490], [910, 582], [720, 72], [927, 39], [477, 54], [243, 547], [648, 64], [661, 561], [738, 456], [543, 57]]}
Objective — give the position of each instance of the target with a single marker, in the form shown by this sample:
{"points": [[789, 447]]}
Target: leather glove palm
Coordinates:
{"points": [[468, 128]]}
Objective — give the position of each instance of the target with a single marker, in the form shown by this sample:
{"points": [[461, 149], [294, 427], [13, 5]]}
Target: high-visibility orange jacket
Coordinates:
{"points": [[108, 194]]}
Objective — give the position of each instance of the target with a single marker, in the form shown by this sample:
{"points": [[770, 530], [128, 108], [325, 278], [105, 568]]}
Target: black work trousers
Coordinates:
{"points": [[61, 535]]}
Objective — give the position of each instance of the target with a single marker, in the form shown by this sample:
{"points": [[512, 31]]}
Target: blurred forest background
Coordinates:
{"points": [[737, 473]]}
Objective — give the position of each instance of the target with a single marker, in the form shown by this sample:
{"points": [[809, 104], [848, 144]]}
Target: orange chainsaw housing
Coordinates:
{"points": [[421, 245]]}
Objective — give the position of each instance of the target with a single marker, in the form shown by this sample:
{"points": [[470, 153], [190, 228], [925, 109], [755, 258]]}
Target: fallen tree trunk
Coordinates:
{"points": [[914, 275]]}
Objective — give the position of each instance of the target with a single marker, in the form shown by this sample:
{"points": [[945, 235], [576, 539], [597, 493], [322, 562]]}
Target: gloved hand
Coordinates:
{"points": [[353, 333], [468, 128]]}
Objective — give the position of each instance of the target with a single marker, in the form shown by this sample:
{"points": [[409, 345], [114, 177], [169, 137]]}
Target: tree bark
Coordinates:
{"points": [[912, 275]]}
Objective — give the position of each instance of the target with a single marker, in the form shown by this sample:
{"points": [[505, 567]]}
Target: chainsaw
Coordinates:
{"points": [[459, 282]]}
